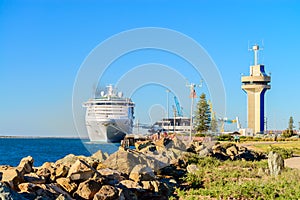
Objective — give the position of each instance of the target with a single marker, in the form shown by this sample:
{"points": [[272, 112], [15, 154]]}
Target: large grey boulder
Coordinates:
{"points": [[192, 168], [206, 149], [12, 177], [177, 144], [50, 191], [81, 176], [142, 173], [232, 151], [275, 163], [127, 194], [205, 152], [61, 171], [77, 167], [112, 176], [166, 143], [124, 161], [99, 156], [66, 184], [35, 179], [25, 165], [107, 192], [87, 189], [47, 170], [68, 160], [129, 184]]}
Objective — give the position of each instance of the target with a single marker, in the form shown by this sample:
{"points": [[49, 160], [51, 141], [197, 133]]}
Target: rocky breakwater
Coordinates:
{"points": [[126, 174], [152, 171]]}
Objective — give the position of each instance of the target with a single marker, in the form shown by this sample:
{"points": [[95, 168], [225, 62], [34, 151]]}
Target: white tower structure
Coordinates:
{"points": [[255, 85]]}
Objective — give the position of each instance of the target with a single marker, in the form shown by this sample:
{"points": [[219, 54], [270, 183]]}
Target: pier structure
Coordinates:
{"points": [[256, 85]]}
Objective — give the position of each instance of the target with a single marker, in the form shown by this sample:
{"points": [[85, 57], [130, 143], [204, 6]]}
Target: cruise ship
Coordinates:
{"points": [[109, 117]]}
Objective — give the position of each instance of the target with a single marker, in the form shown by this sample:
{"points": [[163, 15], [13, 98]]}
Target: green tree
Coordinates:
{"points": [[289, 131], [202, 115], [214, 125], [291, 123]]}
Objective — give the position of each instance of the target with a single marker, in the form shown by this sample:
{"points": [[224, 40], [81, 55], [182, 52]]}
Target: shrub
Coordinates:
{"points": [[243, 138], [208, 162], [287, 133], [200, 135], [284, 152], [225, 137], [250, 138], [190, 158], [194, 179]]}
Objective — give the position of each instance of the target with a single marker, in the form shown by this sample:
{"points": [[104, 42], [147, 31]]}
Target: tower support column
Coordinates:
{"points": [[256, 86]]}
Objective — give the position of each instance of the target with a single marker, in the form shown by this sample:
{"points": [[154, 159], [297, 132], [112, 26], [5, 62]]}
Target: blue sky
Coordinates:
{"points": [[44, 43]]}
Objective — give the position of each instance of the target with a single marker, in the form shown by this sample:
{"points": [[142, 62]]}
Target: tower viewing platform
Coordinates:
{"points": [[255, 85]]}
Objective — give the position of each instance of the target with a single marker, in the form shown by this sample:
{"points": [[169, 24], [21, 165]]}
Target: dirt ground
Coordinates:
{"points": [[292, 162]]}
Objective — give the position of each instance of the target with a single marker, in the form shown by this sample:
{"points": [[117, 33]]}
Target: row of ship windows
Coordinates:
{"points": [[255, 83], [114, 104], [110, 108], [105, 114], [107, 110]]}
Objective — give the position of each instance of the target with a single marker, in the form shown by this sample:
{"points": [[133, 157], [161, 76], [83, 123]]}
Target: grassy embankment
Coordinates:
{"points": [[242, 179], [291, 147], [238, 180]]}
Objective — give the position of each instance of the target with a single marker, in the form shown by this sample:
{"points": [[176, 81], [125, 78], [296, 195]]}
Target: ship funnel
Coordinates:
{"points": [[120, 94], [110, 90]]}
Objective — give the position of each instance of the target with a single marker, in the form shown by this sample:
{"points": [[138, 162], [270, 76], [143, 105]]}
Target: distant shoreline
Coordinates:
{"points": [[40, 137]]}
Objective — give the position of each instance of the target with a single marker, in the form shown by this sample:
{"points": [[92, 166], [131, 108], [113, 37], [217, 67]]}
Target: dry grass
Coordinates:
{"points": [[266, 146]]}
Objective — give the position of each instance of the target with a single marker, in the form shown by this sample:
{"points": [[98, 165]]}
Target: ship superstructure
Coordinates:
{"points": [[109, 117]]}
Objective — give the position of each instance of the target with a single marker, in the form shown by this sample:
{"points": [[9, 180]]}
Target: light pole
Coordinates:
{"points": [[174, 121], [266, 125], [168, 91], [192, 96]]}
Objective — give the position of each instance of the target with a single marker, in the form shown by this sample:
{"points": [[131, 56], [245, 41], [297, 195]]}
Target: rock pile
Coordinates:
{"points": [[126, 174], [152, 171], [225, 151]]}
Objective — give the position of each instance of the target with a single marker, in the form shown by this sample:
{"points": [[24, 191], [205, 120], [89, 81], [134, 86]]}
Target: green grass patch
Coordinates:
{"points": [[286, 149], [240, 180]]}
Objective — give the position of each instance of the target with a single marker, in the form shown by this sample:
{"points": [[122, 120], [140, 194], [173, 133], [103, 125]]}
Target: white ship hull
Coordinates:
{"points": [[108, 130], [109, 117]]}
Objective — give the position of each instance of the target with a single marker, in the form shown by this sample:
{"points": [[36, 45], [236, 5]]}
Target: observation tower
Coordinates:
{"points": [[256, 85]]}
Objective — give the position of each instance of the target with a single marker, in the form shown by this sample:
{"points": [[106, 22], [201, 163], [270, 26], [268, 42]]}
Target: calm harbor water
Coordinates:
{"points": [[12, 150]]}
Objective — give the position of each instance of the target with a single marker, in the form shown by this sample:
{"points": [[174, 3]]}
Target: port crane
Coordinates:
{"points": [[178, 107], [229, 121], [224, 119]]}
